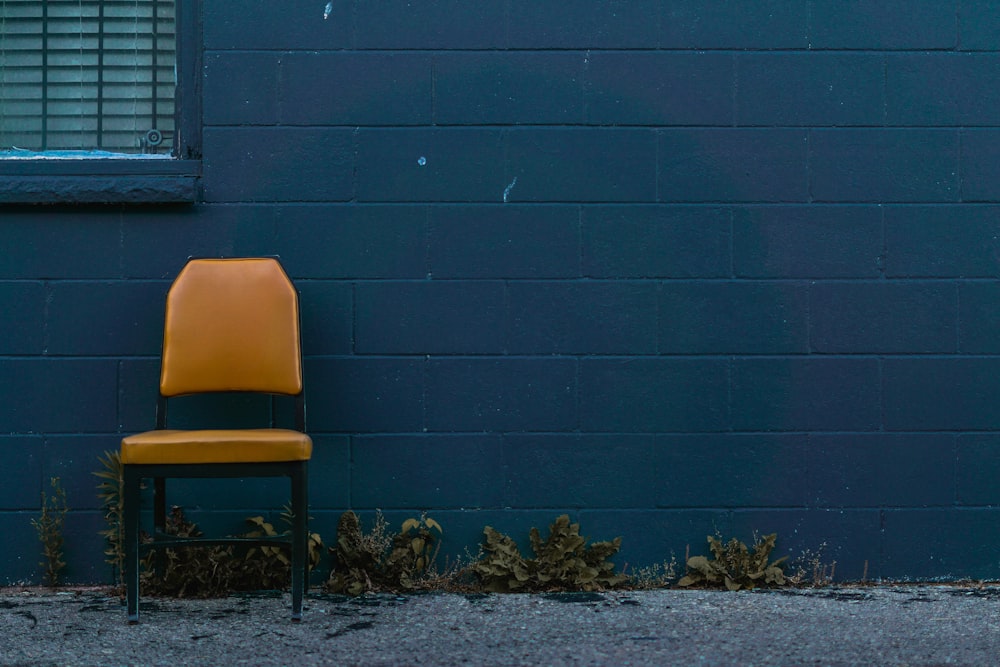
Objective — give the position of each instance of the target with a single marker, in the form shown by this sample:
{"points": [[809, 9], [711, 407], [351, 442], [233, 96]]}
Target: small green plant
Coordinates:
{"points": [[377, 560], [202, 572], [655, 576], [734, 566], [212, 571], [109, 491], [49, 526], [277, 555], [811, 569], [562, 561]]}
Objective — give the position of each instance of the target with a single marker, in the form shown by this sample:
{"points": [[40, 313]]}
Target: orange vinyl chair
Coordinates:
{"points": [[232, 325]]}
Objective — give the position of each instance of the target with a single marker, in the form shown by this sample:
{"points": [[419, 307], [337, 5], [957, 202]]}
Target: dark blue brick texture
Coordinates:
{"points": [[672, 267]]}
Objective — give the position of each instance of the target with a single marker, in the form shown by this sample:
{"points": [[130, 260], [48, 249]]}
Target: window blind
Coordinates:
{"points": [[86, 75]]}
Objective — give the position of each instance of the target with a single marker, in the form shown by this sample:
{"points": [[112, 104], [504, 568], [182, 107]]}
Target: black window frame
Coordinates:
{"points": [[126, 180]]}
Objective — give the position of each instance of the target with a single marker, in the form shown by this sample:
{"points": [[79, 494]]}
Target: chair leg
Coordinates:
{"points": [[300, 539], [160, 523], [130, 501]]}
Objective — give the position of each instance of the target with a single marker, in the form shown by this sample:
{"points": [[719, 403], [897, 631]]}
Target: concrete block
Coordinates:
{"points": [[881, 469], [730, 470], [122, 318], [810, 89], [74, 459], [261, 24], [426, 165], [352, 242], [365, 395], [980, 167], [806, 394], [580, 165], [138, 386], [644, 395], [590, 317], [241, 88], [330, 472], [597, 24], [638, 241], [327, 314], [84, 550], [875, 165], [22, 329], [356, 88], [58, 395], [734, 24], [508, 88], [278, 164], [979, 321], [807, 242], [893, 24], [25, 454], [733, 317], [427, 472], [942, 241], [732, 165], [20, 566], [942, 89], [595, 471], [924, 544], [659, 88], [435, 24], [61, 242], [510, 242], [979, 25], [879, 317], [941, 393], [501, 394], [977, 468], [429, 317]]}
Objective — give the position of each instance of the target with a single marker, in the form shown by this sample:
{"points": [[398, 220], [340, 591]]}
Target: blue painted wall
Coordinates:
{"points": [[671, 267]]}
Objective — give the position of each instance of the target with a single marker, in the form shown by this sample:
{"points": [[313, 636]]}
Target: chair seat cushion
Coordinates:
{"points": [[262, 445]]}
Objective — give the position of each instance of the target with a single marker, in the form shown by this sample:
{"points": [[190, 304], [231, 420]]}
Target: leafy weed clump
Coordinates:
{"points": [[562, 561], [734, 566], [212, 571], [379, 561]]}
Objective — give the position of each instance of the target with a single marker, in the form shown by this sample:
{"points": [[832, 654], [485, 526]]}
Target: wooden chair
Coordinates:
{"points": [[232, 325]]}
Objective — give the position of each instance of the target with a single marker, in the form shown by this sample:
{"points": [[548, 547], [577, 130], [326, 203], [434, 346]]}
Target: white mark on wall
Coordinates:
{"points": [[506, 190], [421, 160], [327, 10]]}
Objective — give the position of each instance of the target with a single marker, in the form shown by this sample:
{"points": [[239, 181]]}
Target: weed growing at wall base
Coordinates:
{"points": [[562, 561], [211, 571], [734, 566], [377, 560], [49, 526], [110, 493]]}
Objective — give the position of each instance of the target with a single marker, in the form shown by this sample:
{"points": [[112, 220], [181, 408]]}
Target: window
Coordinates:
{"points": [[97, 100]]}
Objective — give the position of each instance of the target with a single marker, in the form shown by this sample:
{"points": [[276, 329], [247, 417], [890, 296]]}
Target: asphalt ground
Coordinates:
{"points": [[878, 625]]}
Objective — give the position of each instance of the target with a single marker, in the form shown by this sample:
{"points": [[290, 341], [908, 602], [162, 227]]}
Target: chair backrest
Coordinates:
{"points": [[231, 325]]}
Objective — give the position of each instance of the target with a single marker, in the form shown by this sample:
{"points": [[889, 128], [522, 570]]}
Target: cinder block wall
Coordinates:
{"points": [[671, 267]]}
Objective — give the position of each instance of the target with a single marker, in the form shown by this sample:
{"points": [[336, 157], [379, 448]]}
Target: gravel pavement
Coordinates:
{"points": [[883, 625]]}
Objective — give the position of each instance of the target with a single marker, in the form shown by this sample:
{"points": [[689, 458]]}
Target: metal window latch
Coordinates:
{"points": [[151, 140]]}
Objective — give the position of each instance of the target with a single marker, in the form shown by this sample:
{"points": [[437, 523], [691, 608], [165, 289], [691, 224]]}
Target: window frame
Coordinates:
{"points": [[126, 180]]}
